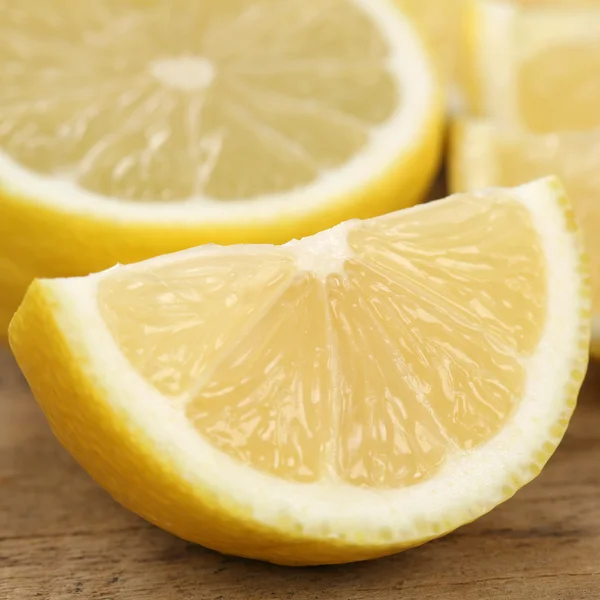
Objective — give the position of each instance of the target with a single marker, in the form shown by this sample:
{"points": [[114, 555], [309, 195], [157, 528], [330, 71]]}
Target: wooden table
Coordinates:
{"points": [[62, 537]]}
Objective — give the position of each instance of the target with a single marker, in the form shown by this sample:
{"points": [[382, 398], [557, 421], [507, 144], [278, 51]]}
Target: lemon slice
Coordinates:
{"points": [[441, 25], [484, 155], [337, 398], [535, 65], [132, 129]]}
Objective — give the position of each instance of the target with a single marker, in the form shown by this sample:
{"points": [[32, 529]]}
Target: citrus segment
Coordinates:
{"points": [[269, 404], [171, 333], [356, 392]]}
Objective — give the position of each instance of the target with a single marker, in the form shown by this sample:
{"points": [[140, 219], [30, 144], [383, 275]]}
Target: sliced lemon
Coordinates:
{"points": [[441, 26], [132, 129], [334, 399], [535, 65], [484, 155]]}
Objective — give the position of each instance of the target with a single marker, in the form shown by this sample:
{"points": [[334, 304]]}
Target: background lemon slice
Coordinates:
{"points": [[441, 24], [131, 129], [447, 344], [534, 65], [484, 155]]}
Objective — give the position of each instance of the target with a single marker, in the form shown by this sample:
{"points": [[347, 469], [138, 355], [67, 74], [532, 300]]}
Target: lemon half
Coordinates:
{"points": [[132, 129]]}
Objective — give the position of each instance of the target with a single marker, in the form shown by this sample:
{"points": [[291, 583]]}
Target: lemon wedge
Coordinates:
{"points": [[132, 129], [337, 398], [534, 65], [483, 154]]}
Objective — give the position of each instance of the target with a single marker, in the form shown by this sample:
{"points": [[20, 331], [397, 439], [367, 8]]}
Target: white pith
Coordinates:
{"points": [[469, 483], [325, 252], [408, 64], [184, 72]]}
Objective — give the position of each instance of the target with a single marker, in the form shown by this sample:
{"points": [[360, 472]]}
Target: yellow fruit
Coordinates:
{"points": [[131, 129], [484, 155], [441, 26], [337, 398], [534, 65]]}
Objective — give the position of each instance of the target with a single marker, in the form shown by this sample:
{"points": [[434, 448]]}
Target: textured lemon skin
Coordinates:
{"points": [[118, 454], [39, 240]]}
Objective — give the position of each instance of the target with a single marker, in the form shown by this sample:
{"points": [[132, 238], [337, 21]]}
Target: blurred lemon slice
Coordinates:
{"points": [[337, 398], [129, 129], [441, 25], [534, 65], [485, 155]]}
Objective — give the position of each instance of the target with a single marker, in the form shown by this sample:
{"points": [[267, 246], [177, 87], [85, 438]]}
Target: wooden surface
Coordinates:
{"points": [[62, 537]]}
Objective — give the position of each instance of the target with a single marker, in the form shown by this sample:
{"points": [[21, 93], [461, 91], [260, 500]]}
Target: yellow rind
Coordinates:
{"points": [[56, 359]]}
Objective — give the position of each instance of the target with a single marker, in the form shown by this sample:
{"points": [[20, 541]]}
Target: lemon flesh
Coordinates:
{"points": [[164, 101], [328, 371]]}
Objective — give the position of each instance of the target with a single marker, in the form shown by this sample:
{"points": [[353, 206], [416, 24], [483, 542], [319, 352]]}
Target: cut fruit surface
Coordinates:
{"points": [[535, 64], [333, 399], [484, 155], [133, 129], [441, 23]]}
